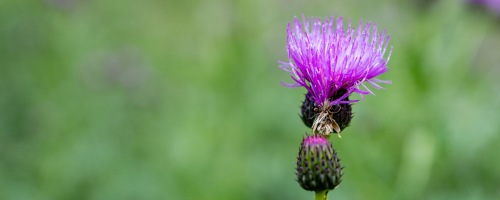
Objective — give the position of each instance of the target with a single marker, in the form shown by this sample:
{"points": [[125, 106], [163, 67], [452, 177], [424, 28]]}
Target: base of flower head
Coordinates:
{"points": [[327, 118], [318, 167], [324, 124]]}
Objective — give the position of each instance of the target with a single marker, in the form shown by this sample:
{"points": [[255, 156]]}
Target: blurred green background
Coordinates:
{"points": [[181, 100]]}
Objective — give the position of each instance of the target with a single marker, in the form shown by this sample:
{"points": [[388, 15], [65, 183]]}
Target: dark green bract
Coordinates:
{"points": [[341, 113]]}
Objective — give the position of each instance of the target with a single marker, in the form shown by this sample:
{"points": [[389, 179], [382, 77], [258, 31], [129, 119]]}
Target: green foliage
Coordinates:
{"points": [[181, 100]]}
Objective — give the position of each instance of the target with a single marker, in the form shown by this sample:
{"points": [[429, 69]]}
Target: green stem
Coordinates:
{"points": [[321, 195]]}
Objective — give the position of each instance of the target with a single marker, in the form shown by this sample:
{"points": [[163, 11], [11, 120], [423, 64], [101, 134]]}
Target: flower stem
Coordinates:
{"points": [[321, 195]]}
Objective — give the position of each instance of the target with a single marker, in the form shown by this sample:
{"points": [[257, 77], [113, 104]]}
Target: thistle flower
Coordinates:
{"points": [[318, 167], [332, 63]]}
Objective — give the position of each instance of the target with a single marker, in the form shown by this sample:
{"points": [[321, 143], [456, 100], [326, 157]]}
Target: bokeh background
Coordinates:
{"points": [[182, 100]]}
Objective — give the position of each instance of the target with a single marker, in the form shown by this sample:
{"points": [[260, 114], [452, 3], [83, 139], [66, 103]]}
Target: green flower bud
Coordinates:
{"points": [[318, 167]]}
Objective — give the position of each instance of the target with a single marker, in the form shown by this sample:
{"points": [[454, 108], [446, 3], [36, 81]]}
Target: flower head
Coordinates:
{"points": [[325, 59]]}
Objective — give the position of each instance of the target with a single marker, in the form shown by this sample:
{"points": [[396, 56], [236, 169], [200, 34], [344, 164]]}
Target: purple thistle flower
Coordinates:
{"points": [[332, 63], [325, 59]]}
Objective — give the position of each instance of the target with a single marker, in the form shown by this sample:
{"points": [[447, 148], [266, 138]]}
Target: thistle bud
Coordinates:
{"points": [[318, 167]]}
